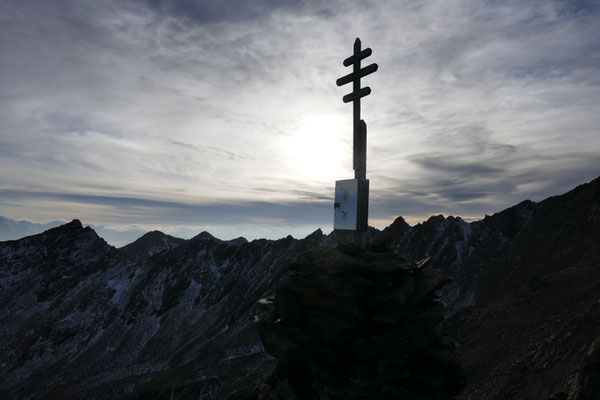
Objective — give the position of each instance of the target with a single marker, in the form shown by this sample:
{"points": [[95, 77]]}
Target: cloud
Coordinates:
{"points": [[475, 106], [219, 11], [145, 211]]}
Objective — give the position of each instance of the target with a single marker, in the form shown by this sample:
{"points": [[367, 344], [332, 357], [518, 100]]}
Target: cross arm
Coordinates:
{"points": [[353, 76], [357, 57]]}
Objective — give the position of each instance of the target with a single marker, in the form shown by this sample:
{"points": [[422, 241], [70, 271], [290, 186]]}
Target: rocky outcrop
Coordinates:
{"points": [[355, 325]]}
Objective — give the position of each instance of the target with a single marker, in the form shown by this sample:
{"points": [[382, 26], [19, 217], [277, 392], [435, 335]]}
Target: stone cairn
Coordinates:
{"points": [[353, 324]]}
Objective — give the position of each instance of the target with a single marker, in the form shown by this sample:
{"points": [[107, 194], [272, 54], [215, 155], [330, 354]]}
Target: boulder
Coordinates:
{"points": [[350, 324]]}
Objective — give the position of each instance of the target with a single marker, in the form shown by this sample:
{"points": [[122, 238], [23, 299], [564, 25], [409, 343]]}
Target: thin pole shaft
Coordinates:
{"points": [[356, 104], [360, 235]]}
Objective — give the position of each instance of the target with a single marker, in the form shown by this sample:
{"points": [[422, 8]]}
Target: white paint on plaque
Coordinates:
{"points": [[345, 204]]}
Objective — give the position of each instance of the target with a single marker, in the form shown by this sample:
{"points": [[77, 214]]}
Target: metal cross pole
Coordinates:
{"points": [[360, 135]]}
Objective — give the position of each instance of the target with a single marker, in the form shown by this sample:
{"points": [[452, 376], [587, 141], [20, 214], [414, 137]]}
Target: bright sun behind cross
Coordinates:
{"points": [[321, 148]]}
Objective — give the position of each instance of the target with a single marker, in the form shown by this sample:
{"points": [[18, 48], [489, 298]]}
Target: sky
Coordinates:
{"points": [[224, 115]]}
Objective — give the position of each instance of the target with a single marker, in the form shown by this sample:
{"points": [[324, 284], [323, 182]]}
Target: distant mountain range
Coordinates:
{"points": [[11, 230], [169, 318]]}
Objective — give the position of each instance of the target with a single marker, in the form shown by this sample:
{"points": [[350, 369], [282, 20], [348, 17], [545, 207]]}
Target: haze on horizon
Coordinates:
{"points": [[224, 115]]}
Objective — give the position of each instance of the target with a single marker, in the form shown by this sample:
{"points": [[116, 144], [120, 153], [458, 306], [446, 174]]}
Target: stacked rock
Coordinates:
{"points": [[358, 325]]}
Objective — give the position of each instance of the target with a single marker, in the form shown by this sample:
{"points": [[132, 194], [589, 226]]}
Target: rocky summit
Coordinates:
{"points": [[349, 324]]}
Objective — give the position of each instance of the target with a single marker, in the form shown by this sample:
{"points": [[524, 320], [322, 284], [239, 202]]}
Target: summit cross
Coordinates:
{"points": [[351, 204], [360, 128]]}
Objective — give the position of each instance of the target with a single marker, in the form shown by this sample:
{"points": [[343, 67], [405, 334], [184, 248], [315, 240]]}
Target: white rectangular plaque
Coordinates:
{"points": [[345, 205]]}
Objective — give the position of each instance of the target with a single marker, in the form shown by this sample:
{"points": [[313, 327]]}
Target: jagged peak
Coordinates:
{"points": [[66, 229], [399, 220], [71, 232], [204, 235], [318, 234], [398, 227], [398, 224], [72, 226], [75, 223], [436, 218]]}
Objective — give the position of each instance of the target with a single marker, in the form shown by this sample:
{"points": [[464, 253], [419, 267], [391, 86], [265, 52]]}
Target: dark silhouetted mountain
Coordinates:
{"points": [[487, 257], [525, 295], [207, 236], [83, 320], [150, 244], [12, 230]]}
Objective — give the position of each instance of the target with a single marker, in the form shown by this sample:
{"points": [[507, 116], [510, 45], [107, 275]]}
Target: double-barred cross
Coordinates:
{"points": [[360, 127]]}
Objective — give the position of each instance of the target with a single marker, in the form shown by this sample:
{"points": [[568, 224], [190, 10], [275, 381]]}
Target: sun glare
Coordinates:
{"points": [[320, 148]]}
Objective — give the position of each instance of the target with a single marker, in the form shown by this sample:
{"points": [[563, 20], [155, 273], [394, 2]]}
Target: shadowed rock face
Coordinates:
{"points": [[357, 327], [525, 293], [488, 258], [83, 320]]}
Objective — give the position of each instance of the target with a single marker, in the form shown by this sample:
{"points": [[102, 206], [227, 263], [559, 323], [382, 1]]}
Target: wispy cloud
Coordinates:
{"points": [[232, 105], [144, 211]]}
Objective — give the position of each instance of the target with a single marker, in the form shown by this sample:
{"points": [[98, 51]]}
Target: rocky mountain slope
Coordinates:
{"points": [[525, 296], [488, 257], [163, 318], [83, 320]]}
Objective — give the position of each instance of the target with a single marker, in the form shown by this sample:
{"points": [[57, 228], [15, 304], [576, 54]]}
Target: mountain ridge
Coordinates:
{"points": [[85, 320]]}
